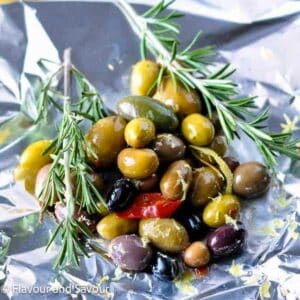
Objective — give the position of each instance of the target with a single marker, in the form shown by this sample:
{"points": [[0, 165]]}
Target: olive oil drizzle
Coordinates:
{"points": [[158, 32]]}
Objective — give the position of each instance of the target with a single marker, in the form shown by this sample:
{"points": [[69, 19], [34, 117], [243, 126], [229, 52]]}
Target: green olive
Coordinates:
{"points": [[143, 76], [33, 157], [165, 234], [112, 226], [251, 180], [137, 163], [198, 130], [206, 185], [182, 101], [102, 209], [215, 211], [175, 182], [31, 161], [168, 147], [139, 132], [161, 115], [106, 139]]}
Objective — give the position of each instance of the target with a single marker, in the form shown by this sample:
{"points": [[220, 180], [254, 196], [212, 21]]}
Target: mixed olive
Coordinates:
{"points": [[165, 234], [130, 253], [196, 255], [31, 161], [165, 267], [167, 200]]}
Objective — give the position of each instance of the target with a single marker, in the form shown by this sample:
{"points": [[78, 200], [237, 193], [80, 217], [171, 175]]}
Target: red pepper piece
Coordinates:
{"points": [[150, 205]]}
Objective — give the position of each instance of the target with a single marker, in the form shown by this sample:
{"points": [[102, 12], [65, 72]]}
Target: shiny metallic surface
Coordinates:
{"points": [[260, 38]]}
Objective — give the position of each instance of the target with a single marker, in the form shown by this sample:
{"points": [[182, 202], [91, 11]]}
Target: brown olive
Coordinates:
{"points": [[231, 162], [175, 182], [219, 145], [143, 76], [216, 121], [206, 184], [106, 139], [95, 178], [196, 255], [148, 184], [137, 163], [182, 101], [168, 147], [251, 180]]}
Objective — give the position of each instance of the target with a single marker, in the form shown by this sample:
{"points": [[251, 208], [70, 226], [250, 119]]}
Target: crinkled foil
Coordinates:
{"points": [[260, 38]]}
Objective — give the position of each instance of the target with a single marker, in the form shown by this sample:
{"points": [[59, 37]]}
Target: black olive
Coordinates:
{"points": [[165, 267], [195, 227], [121, 195], [227, 240], [193, 224]]}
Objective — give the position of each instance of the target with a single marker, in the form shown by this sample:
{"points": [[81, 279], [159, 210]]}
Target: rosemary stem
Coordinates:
{"points": [[67, 104], [140, 28]]}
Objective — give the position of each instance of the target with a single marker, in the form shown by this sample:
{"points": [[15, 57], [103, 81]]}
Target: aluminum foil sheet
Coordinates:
{"points": [[260, 38]]}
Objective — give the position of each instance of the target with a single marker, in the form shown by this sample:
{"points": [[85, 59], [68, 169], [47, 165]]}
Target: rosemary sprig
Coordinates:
{"points": [[158, 32], [90, 105], [68, 178], [45, 98]]}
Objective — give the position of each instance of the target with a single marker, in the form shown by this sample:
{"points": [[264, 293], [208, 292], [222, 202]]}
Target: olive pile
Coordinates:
{"points": [[164, 201]]}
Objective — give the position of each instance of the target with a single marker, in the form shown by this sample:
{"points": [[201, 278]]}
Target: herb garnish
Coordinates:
{"points": [[68, 178], [158, 32]]}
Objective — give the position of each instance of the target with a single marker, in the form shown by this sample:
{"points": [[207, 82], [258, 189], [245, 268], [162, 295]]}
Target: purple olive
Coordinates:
{"points": [[226, 240], [130, 253]]}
